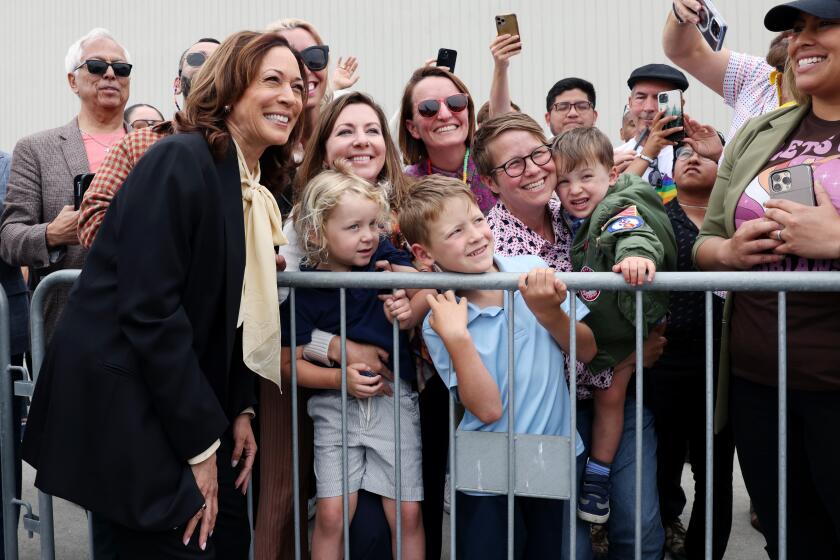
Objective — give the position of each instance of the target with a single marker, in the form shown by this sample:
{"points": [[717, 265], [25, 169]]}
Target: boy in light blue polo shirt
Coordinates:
{"points": [[447, 231]]}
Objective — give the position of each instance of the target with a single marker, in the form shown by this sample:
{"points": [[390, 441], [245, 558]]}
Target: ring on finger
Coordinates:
{"points": [[779, 235]]}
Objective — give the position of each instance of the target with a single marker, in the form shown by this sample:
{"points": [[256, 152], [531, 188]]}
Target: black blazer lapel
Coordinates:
{"points": [[231, 197]]}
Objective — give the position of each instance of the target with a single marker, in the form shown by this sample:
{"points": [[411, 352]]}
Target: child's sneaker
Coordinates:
{"points": [[594, 500]]}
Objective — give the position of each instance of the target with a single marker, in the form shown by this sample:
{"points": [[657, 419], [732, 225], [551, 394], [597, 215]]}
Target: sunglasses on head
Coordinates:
{"points": [[430, 107], [99, 67], [316, 57], [196, 59]]}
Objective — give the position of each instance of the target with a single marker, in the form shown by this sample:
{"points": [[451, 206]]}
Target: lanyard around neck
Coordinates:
{"points": [[463, 172]]}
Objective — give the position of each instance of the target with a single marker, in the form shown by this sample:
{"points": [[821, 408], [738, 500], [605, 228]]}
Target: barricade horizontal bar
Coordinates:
{"points": [[665, 281]]}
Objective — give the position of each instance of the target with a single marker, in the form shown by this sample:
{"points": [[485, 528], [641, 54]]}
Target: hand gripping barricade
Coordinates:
{"points": [[507, 460]]}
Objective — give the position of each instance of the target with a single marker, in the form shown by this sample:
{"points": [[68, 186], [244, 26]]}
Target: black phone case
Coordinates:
{"points": [[447, 57], [80, 185]]}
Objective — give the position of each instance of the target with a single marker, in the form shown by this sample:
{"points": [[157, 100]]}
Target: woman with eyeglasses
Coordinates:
{"points": [[764, 215], [141, 115], [437, 123], [352, 131], [143, 408]]}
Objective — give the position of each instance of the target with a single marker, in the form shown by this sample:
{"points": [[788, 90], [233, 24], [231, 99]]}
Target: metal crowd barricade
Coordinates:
{"points": [[506, 477], [507, 474]]}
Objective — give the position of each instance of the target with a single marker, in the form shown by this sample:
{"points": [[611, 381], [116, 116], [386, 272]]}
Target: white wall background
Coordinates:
{"points": [[599, 40]]}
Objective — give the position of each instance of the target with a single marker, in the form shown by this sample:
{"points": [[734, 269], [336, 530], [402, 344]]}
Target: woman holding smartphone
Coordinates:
{"points": [[437, 122], [745, 229]]}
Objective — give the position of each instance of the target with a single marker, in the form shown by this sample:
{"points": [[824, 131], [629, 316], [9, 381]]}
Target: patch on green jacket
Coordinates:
{"points": [[626, 220]]}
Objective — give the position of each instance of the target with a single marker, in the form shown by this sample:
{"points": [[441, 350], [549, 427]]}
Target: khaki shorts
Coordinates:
{"points": [[370, 444]]}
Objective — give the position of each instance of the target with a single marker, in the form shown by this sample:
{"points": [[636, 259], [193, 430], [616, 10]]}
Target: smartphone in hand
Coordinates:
{"points": [[80, 185], [795, 183], [446, 58], [712, 26], [670, 103], [507, 24]]}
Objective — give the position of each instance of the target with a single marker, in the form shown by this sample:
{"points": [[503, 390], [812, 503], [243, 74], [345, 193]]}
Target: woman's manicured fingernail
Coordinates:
{"points": [[186, 541], [204, 545], [234, 463]]}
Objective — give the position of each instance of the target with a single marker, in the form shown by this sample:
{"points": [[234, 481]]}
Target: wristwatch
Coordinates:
{"points": [[649, 160]]}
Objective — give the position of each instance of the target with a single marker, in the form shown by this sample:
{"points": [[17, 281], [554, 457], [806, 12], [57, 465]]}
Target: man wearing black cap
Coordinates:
{"points": [[646, 83]]}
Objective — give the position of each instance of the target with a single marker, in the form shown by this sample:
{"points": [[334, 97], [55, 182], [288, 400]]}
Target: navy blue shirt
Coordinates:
{"points": [[319, 308]]}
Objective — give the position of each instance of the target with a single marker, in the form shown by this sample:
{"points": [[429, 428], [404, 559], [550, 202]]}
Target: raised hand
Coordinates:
{"points": [[702, 138], [344, 75], [449, 317], [504, 47]]}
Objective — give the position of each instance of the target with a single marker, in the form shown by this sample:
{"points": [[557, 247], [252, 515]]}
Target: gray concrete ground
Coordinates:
{"points": [[71, 533]]}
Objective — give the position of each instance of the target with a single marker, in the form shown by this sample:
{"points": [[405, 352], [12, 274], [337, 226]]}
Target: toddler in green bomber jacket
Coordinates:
{"points": [[619, 224]]}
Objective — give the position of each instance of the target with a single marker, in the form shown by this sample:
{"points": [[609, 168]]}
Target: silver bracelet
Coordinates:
{"points": [[649, 161]]}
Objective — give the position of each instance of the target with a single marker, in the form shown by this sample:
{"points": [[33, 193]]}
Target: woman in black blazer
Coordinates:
{"points": [[144, 398]]}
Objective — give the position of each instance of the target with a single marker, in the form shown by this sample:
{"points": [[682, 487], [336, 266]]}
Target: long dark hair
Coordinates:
{"points": [[220, 83]]}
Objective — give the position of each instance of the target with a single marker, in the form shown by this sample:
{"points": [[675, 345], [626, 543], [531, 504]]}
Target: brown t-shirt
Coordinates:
{"points": [[813, 319]]}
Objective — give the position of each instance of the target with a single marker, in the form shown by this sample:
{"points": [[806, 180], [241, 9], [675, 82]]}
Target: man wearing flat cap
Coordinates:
{"points": [[646, 83]]}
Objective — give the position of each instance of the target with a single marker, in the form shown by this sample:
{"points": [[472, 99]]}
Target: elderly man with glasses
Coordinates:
{"points": [[38, 227], [131, 148]]}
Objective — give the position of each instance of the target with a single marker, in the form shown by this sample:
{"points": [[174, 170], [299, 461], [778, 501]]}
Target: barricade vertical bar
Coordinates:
{"points": [[511, 432], [295, 427], [709, 417], [345, 486], [573, 425], [782, 426], [639, 375], [45, 526], [45, 506], [91, 547], [397, 448], [453, 474], [251, 518], [7, 444]]}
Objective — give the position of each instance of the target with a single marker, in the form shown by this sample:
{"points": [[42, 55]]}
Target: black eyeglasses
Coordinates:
{"points": [[316, 57], [430, 107], [515, 167], [143, 123], [99, 67], [580, 106]]}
